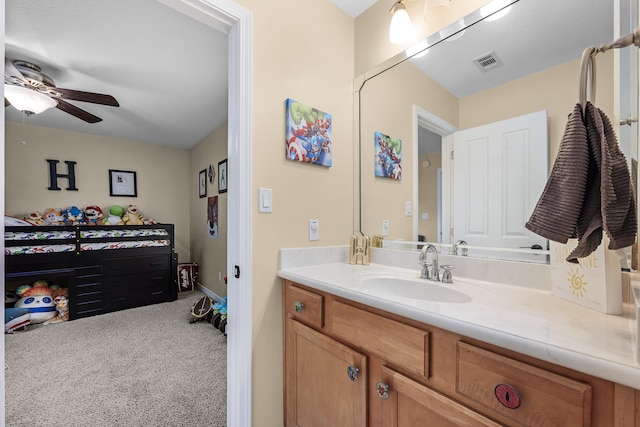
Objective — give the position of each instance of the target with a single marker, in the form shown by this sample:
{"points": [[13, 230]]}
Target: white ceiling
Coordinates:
{"points": [[167, 71]]}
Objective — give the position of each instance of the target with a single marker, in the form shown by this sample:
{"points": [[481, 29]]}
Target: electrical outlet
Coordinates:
{"points": [[385, 227], [314, 229], [219, 276]]}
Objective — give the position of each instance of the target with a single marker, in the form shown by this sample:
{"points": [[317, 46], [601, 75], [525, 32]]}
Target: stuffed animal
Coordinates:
{"points": [[39, 299], [34, 218], [62, 307], [52, 216], [132, 216], [41, 307], [93, 215], [16, 319], [115, 216], [74, 216]]}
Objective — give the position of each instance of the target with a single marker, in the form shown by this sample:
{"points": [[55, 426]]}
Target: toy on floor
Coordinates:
{"points": [[10, 299], [219, 318], [16, 319], [62, 307], [201, 309], [39, 299], [41, 307]]}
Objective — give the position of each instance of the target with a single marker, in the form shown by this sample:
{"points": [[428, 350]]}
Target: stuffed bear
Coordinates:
{"points": [[52, 216], [93, 215], [115, 216]]}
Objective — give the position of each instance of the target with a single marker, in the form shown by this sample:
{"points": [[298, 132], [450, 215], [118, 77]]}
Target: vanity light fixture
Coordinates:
{"points": [[28, 101], [436, 10], [400, 30], [496, 6]]}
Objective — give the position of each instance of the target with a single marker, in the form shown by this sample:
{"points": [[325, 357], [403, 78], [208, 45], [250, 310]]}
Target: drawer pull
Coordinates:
{"points": [[383, 390], [507, 395], [352, 372], [298, 306]]}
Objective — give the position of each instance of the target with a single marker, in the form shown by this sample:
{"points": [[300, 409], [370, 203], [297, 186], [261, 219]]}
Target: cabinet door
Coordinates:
{"points": [[410, 404], [320, 388]]}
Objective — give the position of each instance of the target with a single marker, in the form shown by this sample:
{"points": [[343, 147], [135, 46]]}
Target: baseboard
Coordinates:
{"points": [[208, 292]]}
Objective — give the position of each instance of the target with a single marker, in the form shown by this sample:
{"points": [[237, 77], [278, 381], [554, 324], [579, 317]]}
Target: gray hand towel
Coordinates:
{"points": [[587, 193]]}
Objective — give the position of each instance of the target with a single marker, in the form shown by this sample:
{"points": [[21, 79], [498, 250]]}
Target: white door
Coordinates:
{"points": [[499, 171]]}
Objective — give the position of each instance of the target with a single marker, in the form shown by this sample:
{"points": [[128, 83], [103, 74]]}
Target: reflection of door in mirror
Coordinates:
{"points": [[498, 171]]}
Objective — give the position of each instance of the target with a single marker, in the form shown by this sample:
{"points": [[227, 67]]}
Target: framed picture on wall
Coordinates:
{"points": [[202, 183], [122, 183], [222, 176]]}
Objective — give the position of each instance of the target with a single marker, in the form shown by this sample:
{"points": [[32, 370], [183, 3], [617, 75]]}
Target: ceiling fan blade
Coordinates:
{"points": [[11, 72], [78, 112], [95, 98]]}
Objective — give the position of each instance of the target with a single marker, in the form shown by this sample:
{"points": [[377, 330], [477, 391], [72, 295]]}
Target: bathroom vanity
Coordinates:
{"points": [[471, 353]]}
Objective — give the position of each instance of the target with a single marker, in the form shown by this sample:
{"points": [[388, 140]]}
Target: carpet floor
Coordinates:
{"points": [[146, 366]]}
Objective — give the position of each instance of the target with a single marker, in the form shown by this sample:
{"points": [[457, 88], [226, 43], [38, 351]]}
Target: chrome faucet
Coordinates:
{"points": [[434, 274], [457, 244]]}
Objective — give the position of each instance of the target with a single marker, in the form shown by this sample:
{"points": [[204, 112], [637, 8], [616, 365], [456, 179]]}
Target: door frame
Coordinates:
{"points": [[424, 119], [236, 21]]}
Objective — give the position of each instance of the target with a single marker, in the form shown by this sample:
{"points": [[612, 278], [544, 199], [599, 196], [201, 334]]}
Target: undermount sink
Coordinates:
{"points": [[418, 289]]}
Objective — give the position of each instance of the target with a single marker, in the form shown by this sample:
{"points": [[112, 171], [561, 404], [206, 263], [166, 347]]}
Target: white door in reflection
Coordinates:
{"points": [[498, 173]]}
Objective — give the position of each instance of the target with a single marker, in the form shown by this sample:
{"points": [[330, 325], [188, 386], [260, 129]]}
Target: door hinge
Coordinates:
{"points": [[451, 154]]}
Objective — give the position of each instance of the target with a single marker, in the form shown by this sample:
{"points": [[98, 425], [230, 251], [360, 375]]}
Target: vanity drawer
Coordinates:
{"points": [[304, 306], [526, 394], [400, 344]]}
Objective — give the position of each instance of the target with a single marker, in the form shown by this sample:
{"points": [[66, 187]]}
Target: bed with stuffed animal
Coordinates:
{"points": [[104, 267]]}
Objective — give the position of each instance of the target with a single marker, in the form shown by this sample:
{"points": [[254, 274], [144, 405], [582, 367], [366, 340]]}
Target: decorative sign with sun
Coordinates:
{"points": [[577, 283], [594, 283]]}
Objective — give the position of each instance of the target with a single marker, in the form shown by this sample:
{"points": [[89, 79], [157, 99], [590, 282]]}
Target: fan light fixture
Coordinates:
{"points": [[400, 30], [28, 101]]}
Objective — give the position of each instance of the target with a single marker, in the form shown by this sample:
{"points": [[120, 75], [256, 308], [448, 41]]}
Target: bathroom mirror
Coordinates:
{"points": [[478, 73]]}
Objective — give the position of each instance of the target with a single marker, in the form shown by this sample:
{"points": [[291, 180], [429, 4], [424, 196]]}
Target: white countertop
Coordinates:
{"points": [[526, 320]]}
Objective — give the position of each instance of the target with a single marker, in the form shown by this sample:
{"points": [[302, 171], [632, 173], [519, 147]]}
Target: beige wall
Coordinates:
{"points": [[210, 253], [387, 107], [301, 50], [162, 175], [555, 90]]}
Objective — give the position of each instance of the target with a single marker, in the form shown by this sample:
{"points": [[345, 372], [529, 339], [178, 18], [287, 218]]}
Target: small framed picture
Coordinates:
{"points": [[202, 183], [122, 183], [222, 176]]}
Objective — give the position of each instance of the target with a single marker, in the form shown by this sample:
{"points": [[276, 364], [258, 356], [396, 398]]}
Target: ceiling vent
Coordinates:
{"points": [[487, 61]]}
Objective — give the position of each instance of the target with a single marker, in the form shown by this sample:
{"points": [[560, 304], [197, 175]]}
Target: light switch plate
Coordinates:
{"points": [[408, 208], [385, 227], [265, 200], [314, 229]]}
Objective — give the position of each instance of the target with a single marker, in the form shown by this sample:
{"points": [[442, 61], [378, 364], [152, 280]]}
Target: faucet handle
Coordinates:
{"points": [[425, 274], [446, 274]]}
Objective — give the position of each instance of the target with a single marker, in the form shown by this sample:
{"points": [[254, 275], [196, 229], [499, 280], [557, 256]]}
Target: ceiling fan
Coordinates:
{"points": [[28, 79]]}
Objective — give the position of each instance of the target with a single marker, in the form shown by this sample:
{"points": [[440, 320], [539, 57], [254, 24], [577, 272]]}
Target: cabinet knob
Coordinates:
{"points": [[298, 306], [352, 372], [507, 395], [383, 390]]}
